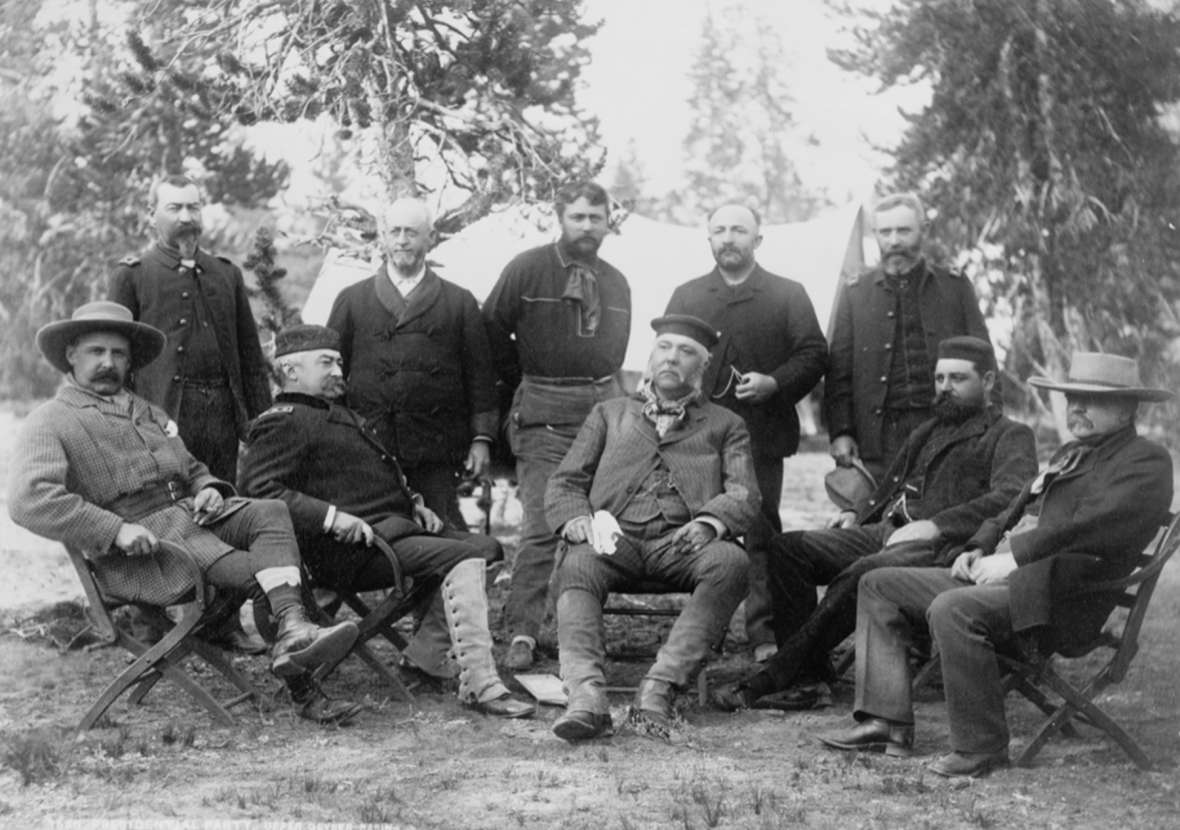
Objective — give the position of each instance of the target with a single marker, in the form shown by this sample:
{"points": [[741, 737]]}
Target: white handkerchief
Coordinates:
{"points": [[604, 530]]}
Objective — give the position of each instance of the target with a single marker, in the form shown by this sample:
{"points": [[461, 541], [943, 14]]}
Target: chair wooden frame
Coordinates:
{"points": [[164, 659], [400, 600], [1031, 673]]}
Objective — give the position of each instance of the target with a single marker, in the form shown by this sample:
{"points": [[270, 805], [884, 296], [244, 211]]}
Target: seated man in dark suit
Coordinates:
{"points": [[655, 487], [1087, 517], [343, 487], [101, 469], [957, 469]]}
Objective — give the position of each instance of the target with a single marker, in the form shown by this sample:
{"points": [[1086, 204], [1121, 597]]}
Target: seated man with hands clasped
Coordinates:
{"points": [[101, 469], [343, 487], [655, 488], [1085, 518]]}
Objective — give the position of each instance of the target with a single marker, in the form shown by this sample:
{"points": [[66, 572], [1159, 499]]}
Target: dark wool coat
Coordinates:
{"points": [[1094, 522], [767, 325], [861, 343], [420, 369], [972, 473], [708, 458], [312, 455], [157, 294]]}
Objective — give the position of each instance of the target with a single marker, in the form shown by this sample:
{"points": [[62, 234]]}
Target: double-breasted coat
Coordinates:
{"points": [[78, 454], [767, 325], [1094, 522], [162, 294], [418, 368], [707, 457], [861, 345]]}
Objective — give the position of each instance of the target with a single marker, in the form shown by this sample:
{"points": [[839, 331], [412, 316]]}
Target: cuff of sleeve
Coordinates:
{"points": [[487, 439], [715, 523], [330, 519]]}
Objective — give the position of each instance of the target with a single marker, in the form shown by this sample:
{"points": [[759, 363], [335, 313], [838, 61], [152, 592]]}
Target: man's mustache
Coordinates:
{"points": [[107, 374]]}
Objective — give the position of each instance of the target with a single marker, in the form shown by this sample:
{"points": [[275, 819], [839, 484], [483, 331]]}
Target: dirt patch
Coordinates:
{"points": [[434, 764]]}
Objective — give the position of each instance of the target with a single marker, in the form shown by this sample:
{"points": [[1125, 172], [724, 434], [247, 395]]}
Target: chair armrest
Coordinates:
{"points": [[399, 583]]}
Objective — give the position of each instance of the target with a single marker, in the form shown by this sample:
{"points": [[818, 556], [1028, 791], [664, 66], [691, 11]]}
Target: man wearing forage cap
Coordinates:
{"points": [[1085, 518], [344, 487], [656, 486], [103, 470]]}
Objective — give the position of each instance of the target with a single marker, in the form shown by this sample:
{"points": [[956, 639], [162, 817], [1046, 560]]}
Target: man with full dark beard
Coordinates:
{"points": [[957, 469]]}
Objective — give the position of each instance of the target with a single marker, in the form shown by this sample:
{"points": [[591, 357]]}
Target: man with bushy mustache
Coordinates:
{"points": [[957, 470], [656, 487], [211, 378]]}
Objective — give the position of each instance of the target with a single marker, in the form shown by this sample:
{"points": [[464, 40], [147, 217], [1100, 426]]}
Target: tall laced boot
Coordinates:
{"points": [[465, 603], [300, 645]]}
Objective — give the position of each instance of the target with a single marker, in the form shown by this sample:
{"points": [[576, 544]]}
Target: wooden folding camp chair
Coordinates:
{"points": [[400, 600], [1033, 674], [165, 658]]}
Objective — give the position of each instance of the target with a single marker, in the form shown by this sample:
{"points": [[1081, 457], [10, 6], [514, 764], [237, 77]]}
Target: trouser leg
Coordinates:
{"points": [[207, 422], [437, 483], [966, 623], [891, 602], [769, 473], [582, 582], [539, 451], [716, 575], [800, 562]]}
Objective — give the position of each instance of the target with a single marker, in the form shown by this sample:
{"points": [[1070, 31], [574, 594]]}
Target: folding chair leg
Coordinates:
{"points": [[1075, 702], [218, 660], [1034, 696]]}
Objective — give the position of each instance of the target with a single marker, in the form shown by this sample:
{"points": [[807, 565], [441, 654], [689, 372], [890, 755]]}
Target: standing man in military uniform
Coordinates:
{"points": [[211, 378], [885, 335], [770, 355], [558, 323], [416, 357]]}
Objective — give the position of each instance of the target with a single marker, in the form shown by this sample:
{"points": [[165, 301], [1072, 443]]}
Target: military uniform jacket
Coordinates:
{"points": [[77, 453], [313, 454], [969, 473], [707, 457], [1094, 522], [159, 295], [862, 335], [419, 369], [767, 325]]}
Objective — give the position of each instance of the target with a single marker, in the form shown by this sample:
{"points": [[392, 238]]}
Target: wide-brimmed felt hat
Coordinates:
{"points": [[146, 341], [1097, 373], [850, 487]]}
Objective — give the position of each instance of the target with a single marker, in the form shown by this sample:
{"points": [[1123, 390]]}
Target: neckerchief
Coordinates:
{"points": [[664, 414], [581, 287]]}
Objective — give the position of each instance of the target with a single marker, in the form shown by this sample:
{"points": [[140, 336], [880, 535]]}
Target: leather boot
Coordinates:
{"points": [[653, 706], [465, 603], [302, 646], [316, 706]]}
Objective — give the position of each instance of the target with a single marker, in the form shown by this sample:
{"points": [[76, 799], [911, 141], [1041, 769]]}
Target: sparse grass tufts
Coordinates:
{"points": [[36, 755]]}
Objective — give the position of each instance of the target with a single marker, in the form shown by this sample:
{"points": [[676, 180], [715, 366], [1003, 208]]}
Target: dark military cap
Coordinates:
{"points": [[306, 338], [689, 326], [975, 349]]}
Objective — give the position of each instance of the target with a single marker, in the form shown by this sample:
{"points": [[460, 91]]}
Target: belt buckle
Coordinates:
{"points": [[174, 491]]}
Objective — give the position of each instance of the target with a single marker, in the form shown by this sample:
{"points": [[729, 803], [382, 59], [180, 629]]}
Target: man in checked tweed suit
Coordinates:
{"points": [[655, 487], [103, 470]]}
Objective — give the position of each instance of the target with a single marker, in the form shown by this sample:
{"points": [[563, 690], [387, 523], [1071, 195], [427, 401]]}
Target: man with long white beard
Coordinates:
{"points": [[656, 487]]}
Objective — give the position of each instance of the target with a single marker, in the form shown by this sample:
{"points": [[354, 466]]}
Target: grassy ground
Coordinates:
{"points": [[434, 764]]}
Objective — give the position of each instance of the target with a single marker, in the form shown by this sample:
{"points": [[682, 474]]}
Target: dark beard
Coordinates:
{"points": [[949, 411]]}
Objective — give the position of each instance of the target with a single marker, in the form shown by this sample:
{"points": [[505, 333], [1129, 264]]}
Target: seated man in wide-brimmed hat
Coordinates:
{"points": [[103, 470], [1086, 517]]}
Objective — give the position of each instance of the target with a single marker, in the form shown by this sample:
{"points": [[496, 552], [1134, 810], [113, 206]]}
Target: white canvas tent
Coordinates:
{"points": [[654, 256]]}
